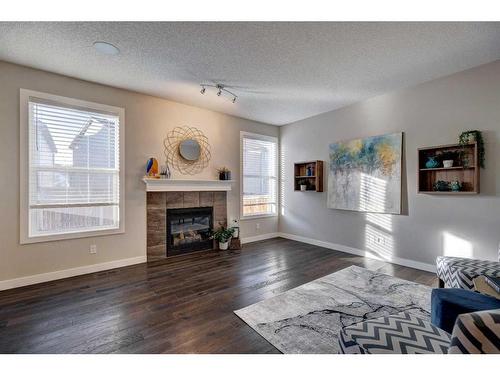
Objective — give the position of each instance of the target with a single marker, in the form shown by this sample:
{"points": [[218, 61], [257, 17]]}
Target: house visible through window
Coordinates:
{"points": [[74, 169], [259, 175]]}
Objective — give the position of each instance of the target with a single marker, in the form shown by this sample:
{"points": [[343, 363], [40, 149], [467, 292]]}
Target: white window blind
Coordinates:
{"points": [[260, 175], [74, 171]]}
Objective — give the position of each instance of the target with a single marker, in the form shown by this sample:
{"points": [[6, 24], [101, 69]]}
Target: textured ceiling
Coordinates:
{"points": [[282, 72]]}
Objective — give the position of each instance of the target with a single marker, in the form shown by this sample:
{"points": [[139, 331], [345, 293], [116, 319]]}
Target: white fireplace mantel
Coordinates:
{"points": [[164, 184]]}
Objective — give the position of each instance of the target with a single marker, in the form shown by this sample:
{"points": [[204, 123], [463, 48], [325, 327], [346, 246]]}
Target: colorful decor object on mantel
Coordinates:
{"points": [[152, 168], [365, 174]]}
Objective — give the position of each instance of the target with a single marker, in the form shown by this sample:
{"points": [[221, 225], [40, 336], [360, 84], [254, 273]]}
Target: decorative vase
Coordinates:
{"points": [[455, 186], [225, 175], [165, 172], [303, 187], [223, 245], [447, 163], [431, 162]]}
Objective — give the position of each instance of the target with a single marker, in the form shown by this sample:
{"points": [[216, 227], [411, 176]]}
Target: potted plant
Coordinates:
{"points": [[448, 158], [224, 174], [223, 236], [455, 185], [303, 184], [471, 136], [441, 185]]}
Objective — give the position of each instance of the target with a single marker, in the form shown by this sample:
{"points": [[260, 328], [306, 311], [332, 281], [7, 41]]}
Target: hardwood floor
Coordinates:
{"points": [[180, 305]]}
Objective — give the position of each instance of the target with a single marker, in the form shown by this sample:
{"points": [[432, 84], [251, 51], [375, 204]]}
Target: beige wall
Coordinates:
{"points": [[430, 114], [147, 119]]}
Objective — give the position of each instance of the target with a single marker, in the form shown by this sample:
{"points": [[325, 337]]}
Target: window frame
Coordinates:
{"points": [[261, 137], [24, 166]]}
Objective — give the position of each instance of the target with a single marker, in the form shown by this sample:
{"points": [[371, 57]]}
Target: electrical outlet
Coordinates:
{"points": [[93, 249]]}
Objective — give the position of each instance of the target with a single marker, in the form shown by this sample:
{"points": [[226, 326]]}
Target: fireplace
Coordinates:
{"points": [[188, 230], [161, 205]]}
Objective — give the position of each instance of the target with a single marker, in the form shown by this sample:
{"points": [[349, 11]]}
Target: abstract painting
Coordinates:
{"points": [[365, 174]]}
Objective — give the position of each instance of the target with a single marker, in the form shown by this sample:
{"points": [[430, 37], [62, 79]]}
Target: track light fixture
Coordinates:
{"points": [[221, 89]]}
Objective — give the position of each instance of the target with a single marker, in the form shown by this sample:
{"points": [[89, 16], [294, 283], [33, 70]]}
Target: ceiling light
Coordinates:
{"points": [[220, 90], [106, 48]]}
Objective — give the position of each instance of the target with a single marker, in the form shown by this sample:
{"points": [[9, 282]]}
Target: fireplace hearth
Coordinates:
{"points": [[189, 230]]}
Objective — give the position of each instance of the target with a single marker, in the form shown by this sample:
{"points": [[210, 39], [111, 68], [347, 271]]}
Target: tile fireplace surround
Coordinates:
{"points": [[159, 201]]}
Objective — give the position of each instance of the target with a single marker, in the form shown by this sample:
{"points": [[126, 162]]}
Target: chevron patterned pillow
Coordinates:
{"points": [[394, 334], [460, 272], [476, 333]]}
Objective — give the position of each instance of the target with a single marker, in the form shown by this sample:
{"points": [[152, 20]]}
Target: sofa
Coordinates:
{"points": [[460, 272]]}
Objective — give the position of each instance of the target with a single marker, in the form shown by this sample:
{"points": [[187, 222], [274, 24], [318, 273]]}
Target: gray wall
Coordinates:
{"points": [[430, 114], [147, 121]]}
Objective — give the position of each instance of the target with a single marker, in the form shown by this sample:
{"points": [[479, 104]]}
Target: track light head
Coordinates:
{"points": [[234, 100], [202, 91], [219, 92]]}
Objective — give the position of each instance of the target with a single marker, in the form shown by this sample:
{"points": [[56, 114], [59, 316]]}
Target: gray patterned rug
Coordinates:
{"points": [[307, 319]]}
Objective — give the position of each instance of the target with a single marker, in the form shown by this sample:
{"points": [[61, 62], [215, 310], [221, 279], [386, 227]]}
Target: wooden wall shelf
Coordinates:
{"points": [[309, 173], [465, 169]]}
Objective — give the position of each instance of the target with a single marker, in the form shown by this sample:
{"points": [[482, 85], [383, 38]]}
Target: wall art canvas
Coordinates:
{"points": [[365, 174]]}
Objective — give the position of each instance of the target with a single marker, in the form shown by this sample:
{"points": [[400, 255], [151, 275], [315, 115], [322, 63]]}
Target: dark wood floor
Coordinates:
{"points": [[181, 305]]}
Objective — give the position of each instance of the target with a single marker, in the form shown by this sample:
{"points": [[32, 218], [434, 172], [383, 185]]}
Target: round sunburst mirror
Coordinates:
{"points": [[187, 150]]}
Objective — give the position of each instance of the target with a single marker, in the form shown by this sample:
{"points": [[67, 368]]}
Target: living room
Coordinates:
{"points": [[250, 187]]}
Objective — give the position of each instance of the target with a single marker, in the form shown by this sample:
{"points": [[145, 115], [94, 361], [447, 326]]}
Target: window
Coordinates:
{"points": [[71, 169], [259, 169]]}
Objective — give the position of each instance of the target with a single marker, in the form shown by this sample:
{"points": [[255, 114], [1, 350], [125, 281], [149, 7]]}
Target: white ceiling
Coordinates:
{"points": [[282, 72]]}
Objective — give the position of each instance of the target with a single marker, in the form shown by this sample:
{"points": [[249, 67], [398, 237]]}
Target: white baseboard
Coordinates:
{"points": [[50, 276], [260, 237], [56, 275], [351, 250]]}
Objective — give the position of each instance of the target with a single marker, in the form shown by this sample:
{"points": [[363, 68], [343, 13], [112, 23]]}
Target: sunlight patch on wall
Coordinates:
{"points": [[379, 241], [456, 246], [372, 193], [383, 221]]}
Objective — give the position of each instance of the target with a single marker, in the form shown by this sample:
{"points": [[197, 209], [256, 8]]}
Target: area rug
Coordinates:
{"points": [[308, 319]]}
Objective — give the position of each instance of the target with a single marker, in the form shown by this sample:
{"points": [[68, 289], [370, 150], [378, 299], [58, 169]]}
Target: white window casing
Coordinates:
{"points": [[259, 175], [71, 168]]}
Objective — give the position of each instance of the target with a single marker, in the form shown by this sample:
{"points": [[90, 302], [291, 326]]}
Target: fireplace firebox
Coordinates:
{"points": [[189, 230]]}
